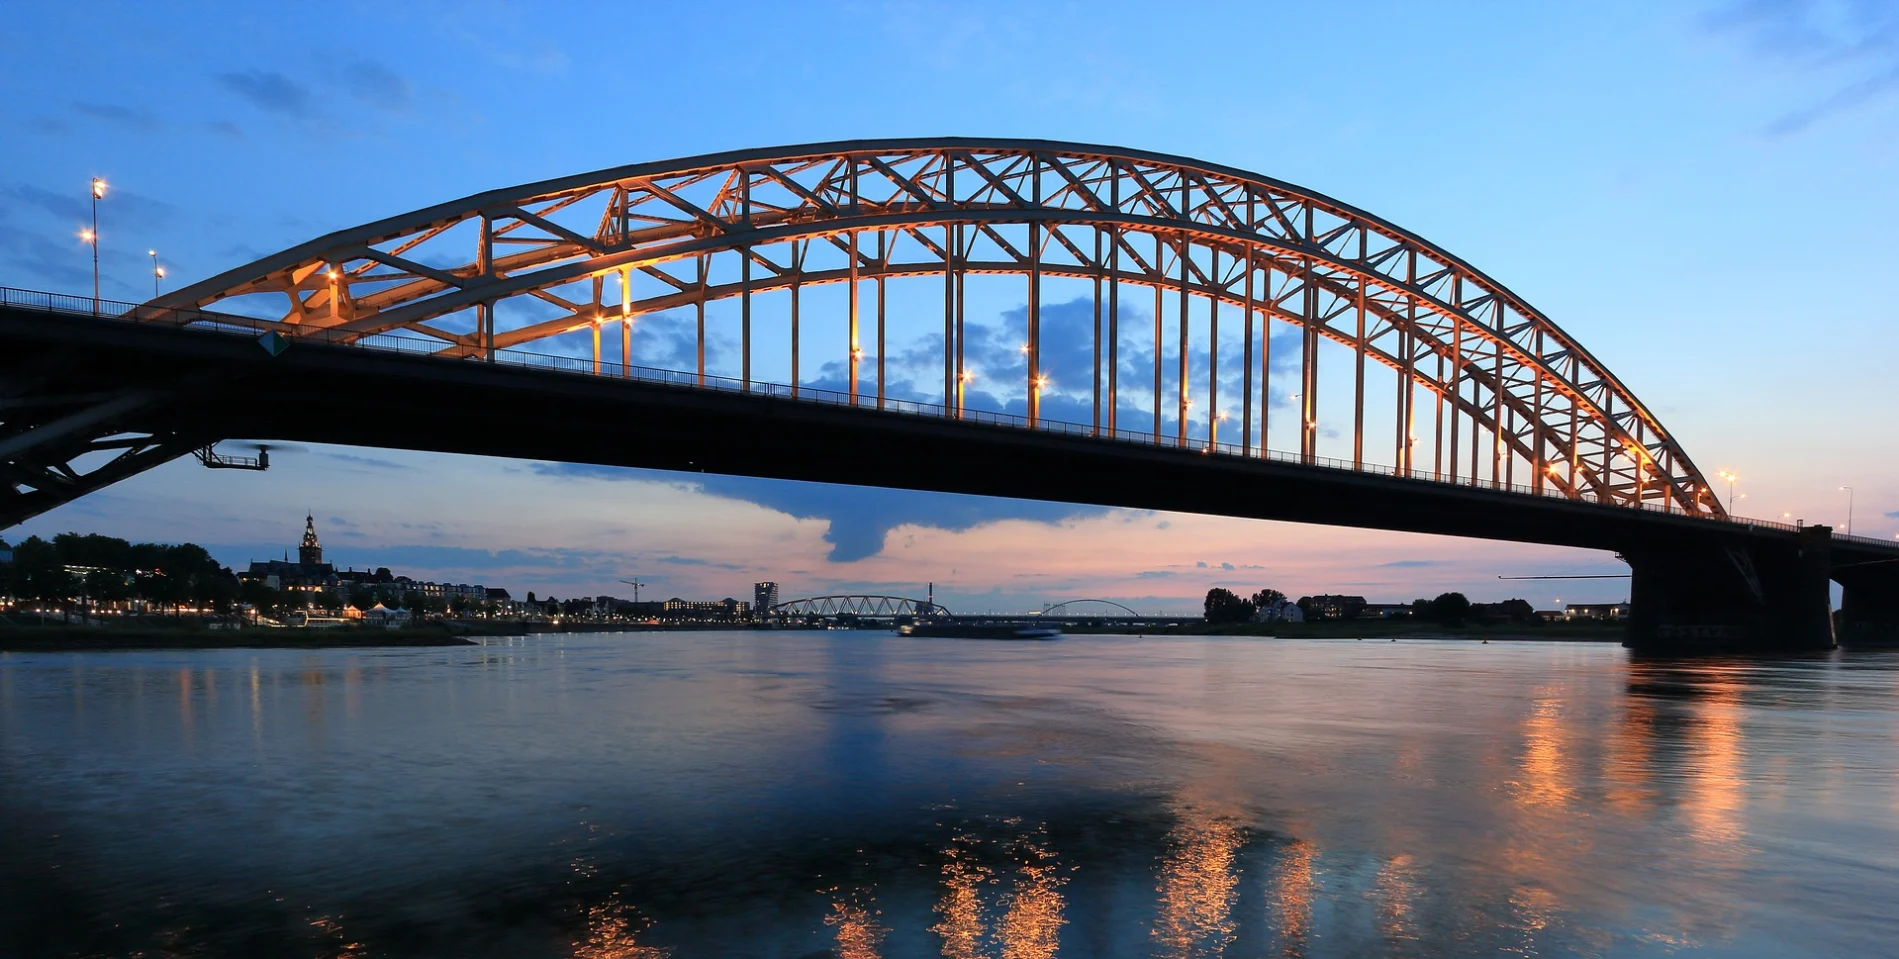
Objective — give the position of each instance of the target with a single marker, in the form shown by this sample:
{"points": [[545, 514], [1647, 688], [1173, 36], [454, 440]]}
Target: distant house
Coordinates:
{"points": [[1285, 612], [1385, 611], [1607, 611], [1330, 606]]}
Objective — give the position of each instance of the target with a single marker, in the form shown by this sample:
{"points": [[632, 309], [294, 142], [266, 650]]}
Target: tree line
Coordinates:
{"points": [[97, 569], [72, 570], [1447, 609]]}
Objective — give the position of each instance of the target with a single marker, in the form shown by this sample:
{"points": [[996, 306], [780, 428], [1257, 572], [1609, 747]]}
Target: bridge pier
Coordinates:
{"points": [[1869, 602], [1709, 595]]}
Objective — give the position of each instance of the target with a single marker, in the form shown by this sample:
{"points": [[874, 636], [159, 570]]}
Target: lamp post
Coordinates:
{"points": [[962, 381], [1849, 509], [158, 272], [92, 236], [1729, 476]]}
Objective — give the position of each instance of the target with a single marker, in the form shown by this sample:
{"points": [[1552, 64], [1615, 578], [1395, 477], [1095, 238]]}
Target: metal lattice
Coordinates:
{"points": [[1505, 397], [868, 607]]}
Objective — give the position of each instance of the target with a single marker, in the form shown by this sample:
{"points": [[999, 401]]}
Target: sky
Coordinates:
{"points": [[1701, 193]]}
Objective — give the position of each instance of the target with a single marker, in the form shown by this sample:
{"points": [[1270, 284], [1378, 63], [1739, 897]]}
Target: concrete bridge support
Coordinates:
{"points": [[1869, 602], [1726, 595]]}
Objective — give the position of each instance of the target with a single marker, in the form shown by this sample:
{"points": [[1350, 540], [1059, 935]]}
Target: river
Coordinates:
{"points": [[782, 795]]}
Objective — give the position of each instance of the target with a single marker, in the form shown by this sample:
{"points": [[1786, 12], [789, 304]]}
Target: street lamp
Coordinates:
{"points": [[1849, 509], [92, 237], [1731, 478], [158, 272]]}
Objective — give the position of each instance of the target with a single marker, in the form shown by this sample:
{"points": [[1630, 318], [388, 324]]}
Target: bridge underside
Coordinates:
{"points": [[158, 392]]}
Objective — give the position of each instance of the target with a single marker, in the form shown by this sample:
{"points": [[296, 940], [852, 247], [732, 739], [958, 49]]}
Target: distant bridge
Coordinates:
{"points": [[1061, 609], [863, 607], [409, 332]]}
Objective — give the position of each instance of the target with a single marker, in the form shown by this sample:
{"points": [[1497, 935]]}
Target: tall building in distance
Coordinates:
{"points": [[764, 597], [310, 553]]}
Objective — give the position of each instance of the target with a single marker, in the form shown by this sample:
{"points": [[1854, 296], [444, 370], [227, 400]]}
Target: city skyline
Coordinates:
{"points": [[1683, 319]]}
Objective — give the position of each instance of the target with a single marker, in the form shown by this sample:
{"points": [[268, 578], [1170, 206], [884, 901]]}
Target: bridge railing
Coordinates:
{"points": [[234, 324]]}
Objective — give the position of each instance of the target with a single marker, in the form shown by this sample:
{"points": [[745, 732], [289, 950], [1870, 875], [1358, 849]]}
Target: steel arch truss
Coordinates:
{"points": [[868, 607], [1050, 611], [1512, 399]]}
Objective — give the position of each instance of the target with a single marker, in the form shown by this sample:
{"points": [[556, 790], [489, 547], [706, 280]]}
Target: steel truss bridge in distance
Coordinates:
{"points": [[1220, 326], [860, 607]]}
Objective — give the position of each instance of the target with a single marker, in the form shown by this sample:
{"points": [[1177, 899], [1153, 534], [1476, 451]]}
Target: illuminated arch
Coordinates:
{"points": [[742, 223]]}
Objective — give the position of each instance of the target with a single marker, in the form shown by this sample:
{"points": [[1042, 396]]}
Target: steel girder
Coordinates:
{"points": [[743, 223], [870, 606], [56, 447]]}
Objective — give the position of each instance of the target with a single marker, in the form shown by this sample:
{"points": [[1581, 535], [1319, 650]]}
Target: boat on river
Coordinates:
{"points": [[1012, 631]]}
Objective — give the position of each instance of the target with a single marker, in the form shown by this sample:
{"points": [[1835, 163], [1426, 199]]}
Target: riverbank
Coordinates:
{"points": [[1577, 632], [72, 638]]}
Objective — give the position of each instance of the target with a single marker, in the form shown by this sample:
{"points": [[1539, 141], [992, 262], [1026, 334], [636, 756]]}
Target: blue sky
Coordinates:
{"points": [[1700, 192]]}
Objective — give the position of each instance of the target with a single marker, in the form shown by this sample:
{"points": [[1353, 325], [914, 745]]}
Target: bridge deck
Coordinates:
{"points": [[211, 385]]}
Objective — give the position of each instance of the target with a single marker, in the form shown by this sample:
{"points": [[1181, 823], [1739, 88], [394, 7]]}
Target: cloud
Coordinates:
{"points": [[224, 128], [112, 113], [369, 461], [375, 85], [1893, 515], [1841, 101], [270, 91], [858, 517], [48, 125], [1409, 563], [1154, 574], [1853, 44], [695, 561], [129, 209]]}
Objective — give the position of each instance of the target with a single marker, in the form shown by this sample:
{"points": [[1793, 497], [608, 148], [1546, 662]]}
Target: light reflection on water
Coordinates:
{"points": [[859, 796]]}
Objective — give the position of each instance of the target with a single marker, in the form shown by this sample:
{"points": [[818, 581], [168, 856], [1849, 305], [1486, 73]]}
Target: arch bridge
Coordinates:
{"points": [[1062, 609], [1192, 337]]}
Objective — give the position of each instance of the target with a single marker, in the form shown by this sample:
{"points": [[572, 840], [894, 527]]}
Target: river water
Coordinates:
{"points": [[853, 794]]}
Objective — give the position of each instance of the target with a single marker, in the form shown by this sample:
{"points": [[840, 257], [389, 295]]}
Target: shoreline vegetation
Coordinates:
{"points": [[1595, 631], [55, 637]]}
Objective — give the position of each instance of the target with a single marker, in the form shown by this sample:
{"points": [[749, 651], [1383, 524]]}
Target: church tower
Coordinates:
{"points": [[311, 552]]}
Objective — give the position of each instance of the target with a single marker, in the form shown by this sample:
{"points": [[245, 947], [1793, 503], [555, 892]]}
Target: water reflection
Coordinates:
{"points": [[797, 795], [1024, 896], [1398, 891], [1295, 878], [1199, 882], [1031, 925], [1545, 766], [854, 922], [612, 933], [961, 922]]}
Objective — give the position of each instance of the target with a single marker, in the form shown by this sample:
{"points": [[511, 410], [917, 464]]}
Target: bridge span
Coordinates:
{"points": [[410, 333]]}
